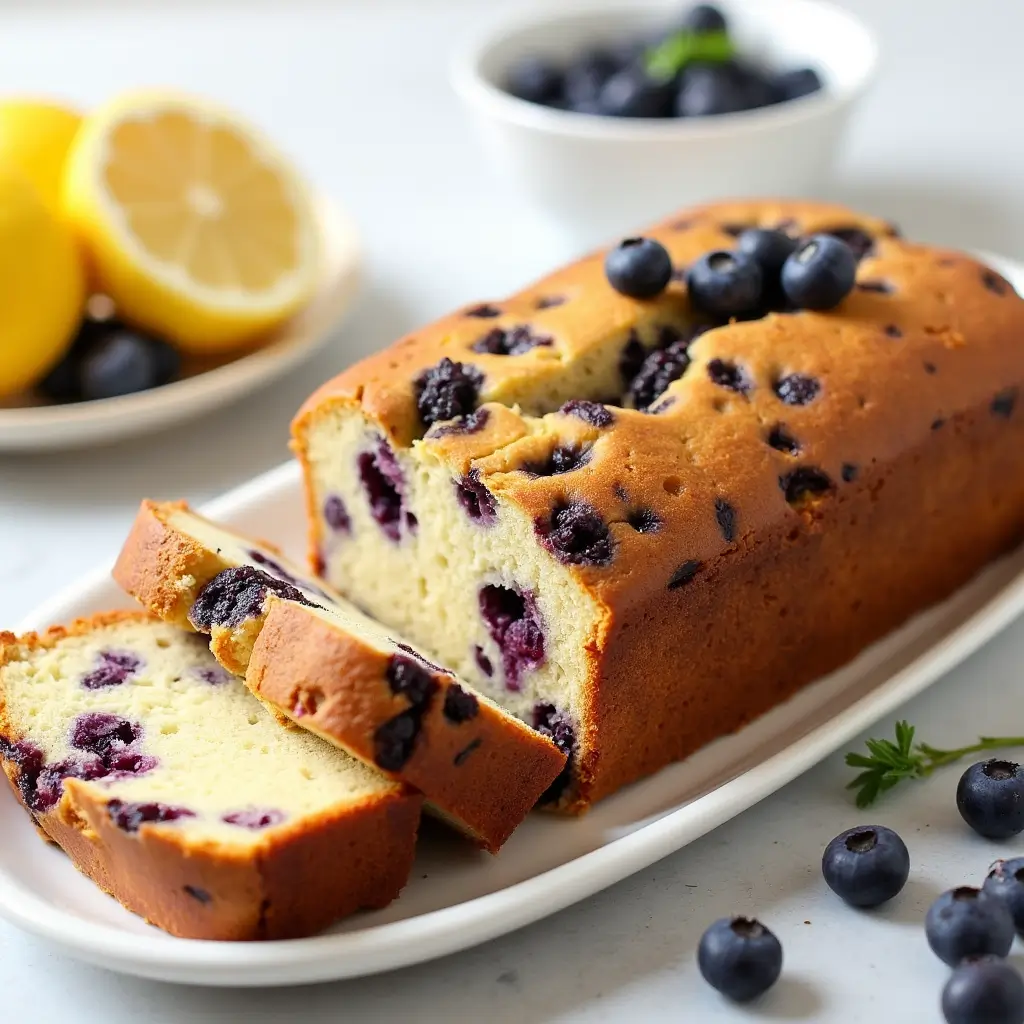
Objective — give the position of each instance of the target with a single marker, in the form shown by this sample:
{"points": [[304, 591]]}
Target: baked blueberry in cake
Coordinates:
{"points": [[319, 662], [644, 531], [174, 789]]}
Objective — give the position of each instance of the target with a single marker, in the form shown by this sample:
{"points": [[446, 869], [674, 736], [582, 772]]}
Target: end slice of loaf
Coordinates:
{"points": [[173, 789], [318, 661]]}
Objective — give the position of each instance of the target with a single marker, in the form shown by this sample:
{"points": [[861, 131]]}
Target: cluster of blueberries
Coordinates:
{"points": [[970, 929], [768, 269], [689, 70], [108, 359]]}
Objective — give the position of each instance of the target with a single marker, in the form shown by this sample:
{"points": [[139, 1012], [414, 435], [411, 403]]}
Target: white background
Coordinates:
{"points": [[357, 92]]}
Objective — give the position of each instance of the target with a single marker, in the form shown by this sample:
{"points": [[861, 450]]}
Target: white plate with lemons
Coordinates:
{"points": [[191, 225]]}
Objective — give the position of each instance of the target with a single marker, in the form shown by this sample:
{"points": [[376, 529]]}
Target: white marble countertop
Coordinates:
{"points": [[357, 91]]}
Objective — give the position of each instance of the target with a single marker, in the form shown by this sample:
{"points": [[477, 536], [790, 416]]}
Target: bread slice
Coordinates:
{"points": [[173, 789], [318, 661]]}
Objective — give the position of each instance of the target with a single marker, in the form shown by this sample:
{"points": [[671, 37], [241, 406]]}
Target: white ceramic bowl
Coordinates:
{"points": [[600, 176]]}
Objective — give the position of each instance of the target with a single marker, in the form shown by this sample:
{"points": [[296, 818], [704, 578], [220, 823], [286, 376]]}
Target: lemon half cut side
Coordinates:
{"points": [[192, 222]]}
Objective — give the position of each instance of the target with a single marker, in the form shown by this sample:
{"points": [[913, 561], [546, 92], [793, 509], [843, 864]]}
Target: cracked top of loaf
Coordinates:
{"points": [[756, 421]]}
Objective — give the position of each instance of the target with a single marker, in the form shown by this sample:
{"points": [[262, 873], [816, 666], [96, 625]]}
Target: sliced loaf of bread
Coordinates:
{"points": [[173, 789], [318, 661]]}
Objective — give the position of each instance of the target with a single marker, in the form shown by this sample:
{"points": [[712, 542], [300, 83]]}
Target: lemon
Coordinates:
{"points": [[193, 223], [42, 284], [35, 136]]}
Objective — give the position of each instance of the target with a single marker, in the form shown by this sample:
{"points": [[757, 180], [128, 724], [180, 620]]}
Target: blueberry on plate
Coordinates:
{"points": [[706, 90], [990, 798], [770, 248], [866, 866], [1005, 881], [123, 362], [968, 922], [638, 267], [725, 284], [740, 958], [791, 85], [634, 93], [536, 80], [704, 18], [984, 990], [820, 273]]}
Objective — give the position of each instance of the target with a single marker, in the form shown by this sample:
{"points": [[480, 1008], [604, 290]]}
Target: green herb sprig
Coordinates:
{"points": [[673, 53], [887, 764]]}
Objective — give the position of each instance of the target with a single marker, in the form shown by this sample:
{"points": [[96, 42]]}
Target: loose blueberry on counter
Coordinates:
{"points": [[820, 274], [535, 80], [990, 798], [638, 267], [1005, 882], [984, 990], [866, 866], [740, 958], [968, 922], [792, 85], [633, 93], [725, 284]]}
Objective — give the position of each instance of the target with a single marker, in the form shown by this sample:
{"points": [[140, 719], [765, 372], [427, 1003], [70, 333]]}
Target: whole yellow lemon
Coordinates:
{"points": [[42, 285], [35, 136]]}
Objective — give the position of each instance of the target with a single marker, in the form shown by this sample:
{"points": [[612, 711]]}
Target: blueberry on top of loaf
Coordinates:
{"points": [[650, 411], [168, 783], [320, 662]]}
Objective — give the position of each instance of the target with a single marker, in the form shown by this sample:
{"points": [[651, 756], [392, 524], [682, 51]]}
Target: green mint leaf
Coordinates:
{"points": [[670, 56]]}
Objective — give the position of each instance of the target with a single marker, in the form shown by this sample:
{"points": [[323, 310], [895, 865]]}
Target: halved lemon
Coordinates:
{"points": [[192, 222]]}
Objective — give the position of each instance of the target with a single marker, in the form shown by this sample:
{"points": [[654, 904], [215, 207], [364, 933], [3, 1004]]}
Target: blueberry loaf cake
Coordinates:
{"points": [[647, 498], [173, 789], [317, 661]]}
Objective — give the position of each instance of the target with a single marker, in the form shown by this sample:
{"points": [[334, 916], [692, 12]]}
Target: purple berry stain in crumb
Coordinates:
{"points": [[563, 458], [254, 818], [459, 706], [594, 413], [212, 675], [782, 440], [471, 424], [201, 895], [892, 331], [994, 283], [804, 483], [416, 656], [393, 742], [631, 359], [384, 483], [463, 755], [275, 568], [556, 726], [482, 661], [113, 668], [99, 732], [407, 677], [237, 594], [859, 241], [446, 391], [336, 514], [878, 287], [476, 500], [576, 534], [684, 574], [659, 369], [511, 341], [131, 817], [485, 311], [725, 516], [1003, 404], [29, 760], [513, 622], [849, 472], [729, 376], [549, 301], [644, 520], [797, 389]]}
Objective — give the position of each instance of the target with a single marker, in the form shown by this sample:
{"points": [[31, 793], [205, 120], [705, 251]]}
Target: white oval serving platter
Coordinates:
{"points": [[80, 424], [457, 896]]}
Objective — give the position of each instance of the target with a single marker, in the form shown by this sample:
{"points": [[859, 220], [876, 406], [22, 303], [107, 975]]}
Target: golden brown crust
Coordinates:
{"points": [[911, 369], [488, 792], [487, 771], [294, 883]]}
